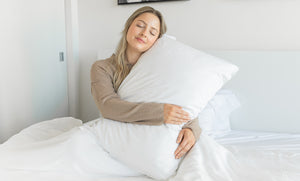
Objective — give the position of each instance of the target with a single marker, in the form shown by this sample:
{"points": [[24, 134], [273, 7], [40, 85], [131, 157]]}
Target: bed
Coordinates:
{"points": [[221, 153], [244, 144]]}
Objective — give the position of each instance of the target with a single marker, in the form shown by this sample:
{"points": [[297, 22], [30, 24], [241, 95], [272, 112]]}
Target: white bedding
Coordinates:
{"points": [[237, 155], [261, 140]]}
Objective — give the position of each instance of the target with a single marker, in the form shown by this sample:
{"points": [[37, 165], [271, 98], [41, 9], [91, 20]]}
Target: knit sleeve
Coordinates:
{"points": [[111, 106], [194, 126]]}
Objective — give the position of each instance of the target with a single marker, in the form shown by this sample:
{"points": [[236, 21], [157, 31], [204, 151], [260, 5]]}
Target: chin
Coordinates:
{"points": [[141, 50]]}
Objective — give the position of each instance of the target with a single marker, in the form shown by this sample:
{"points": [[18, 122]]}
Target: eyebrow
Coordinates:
{"points": [[146, 24]]}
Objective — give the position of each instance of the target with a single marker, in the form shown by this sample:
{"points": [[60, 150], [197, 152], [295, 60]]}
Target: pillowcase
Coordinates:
{"points": [[170, 72], [214, 119], [174, 73], [146, 149]]}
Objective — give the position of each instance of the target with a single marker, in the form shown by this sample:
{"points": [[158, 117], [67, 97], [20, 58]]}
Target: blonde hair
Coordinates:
{"points": [[122, 67]]}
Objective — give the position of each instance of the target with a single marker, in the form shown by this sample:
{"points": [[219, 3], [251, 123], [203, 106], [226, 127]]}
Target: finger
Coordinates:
{"points": [[183, 151], [180, 136], [177, 112], [181, 146], [175, 122], [180, 116], [182, 112], [179, 121]]}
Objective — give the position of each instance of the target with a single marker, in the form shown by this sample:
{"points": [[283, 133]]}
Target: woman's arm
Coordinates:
{"points": [[194, 126], [113, 107], [187, 137]]}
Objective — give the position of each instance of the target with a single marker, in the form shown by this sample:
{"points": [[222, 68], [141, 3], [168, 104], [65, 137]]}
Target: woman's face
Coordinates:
{"points": [[143, 32]]}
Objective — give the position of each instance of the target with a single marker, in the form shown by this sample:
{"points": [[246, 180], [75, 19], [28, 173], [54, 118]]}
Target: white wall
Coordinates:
{"points": [[203, 24], [33, 81], [268, 86]]}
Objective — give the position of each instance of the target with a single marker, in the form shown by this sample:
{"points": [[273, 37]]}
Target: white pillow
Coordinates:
{"points": [[170, 72], [144, 148], [214, 119]]}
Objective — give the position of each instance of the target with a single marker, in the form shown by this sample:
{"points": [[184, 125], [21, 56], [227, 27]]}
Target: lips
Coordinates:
{"points": [[140, 40]]}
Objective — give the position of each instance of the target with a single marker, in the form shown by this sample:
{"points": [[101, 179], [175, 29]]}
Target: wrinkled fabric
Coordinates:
{"points": [[65, 149], [211, 161]]}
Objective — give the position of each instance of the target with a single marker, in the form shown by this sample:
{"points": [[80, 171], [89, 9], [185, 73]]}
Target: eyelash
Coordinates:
{"points": [[140, 26]]}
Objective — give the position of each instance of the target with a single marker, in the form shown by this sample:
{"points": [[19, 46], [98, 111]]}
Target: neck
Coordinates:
{"points": [[132, 56]]}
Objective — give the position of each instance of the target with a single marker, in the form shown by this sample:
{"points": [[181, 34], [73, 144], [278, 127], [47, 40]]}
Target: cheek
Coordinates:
{"points": [[152, 40], [129, 34], [132, 31]]}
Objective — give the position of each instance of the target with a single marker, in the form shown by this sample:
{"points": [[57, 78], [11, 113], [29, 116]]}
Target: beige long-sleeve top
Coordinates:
{"points": [[111, 106]]}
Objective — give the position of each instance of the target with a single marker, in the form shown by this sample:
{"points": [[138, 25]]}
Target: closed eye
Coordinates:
{"points": [[140, 26], [152, 33]]}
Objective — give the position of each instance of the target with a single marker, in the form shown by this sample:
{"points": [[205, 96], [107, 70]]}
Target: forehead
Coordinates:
{"points": [[150, 19]]}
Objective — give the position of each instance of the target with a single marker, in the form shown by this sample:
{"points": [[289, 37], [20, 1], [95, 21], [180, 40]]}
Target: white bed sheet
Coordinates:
{"points": [[14, 175], [248, 140], [261, 140], [243, 143]]}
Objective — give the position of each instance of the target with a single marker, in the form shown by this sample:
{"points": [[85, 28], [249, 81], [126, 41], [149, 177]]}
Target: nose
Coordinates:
{"points": [[143, 33]]}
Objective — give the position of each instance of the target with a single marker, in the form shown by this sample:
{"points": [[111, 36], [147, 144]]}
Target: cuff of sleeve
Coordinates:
{"points": [[194, 126]]}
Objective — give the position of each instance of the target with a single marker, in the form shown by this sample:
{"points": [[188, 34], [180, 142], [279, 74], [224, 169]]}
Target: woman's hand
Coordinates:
{"points": [[174, 114], [187, 140]]}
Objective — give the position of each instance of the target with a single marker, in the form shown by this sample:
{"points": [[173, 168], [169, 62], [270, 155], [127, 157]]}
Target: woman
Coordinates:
{"points": [[141, 31]]}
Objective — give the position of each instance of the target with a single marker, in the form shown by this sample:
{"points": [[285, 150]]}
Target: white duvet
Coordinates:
{"points": [[64, 149]]}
